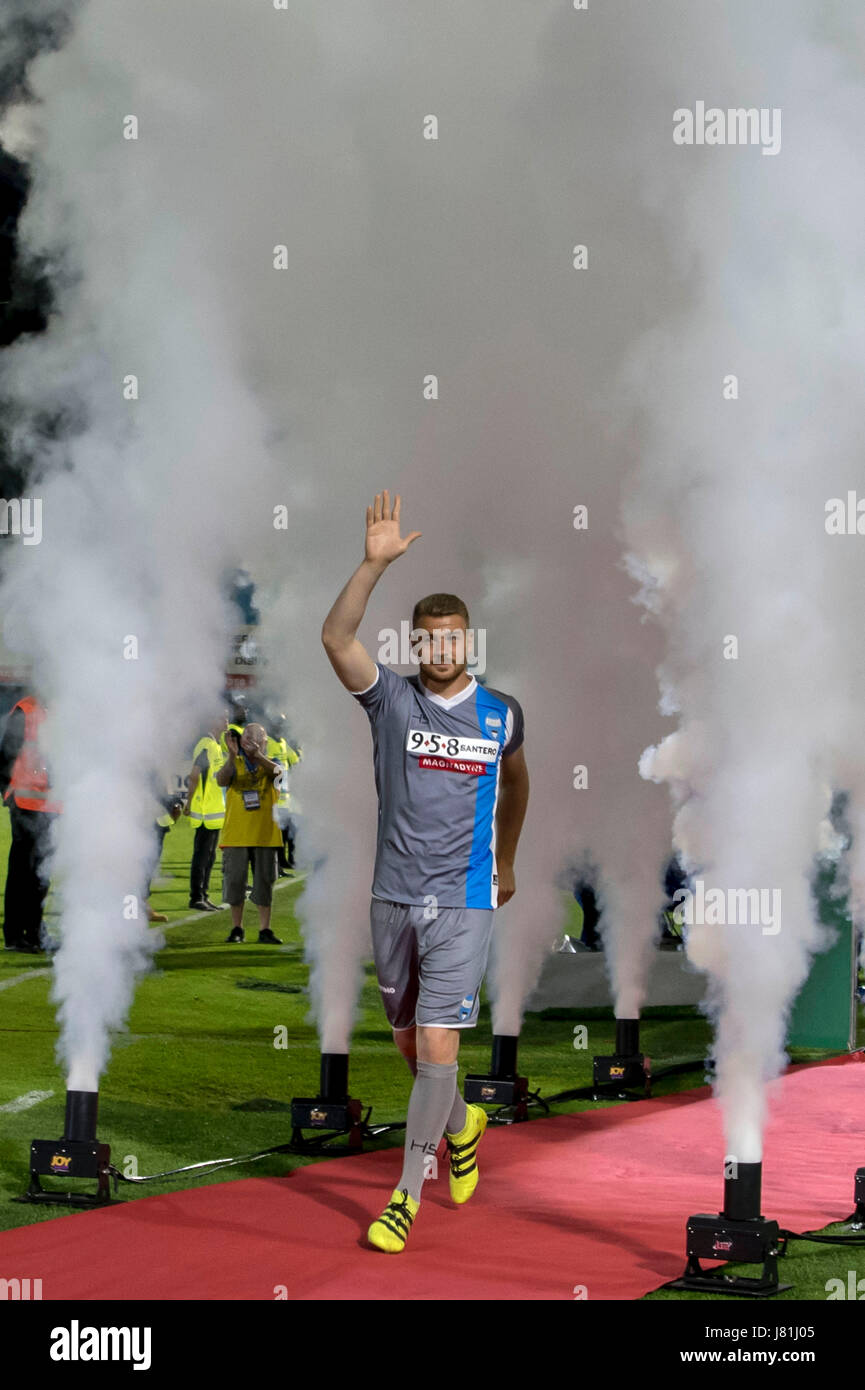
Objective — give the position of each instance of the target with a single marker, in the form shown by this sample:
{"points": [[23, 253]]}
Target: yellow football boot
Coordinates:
{"points": [[390, 1232], [462, 1149]]}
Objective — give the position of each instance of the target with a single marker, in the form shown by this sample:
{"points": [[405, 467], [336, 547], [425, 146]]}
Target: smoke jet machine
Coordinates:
{"points": [[501, 1086], [78, 1154], [738, 1233], [627, 1067], [333, 1109]]}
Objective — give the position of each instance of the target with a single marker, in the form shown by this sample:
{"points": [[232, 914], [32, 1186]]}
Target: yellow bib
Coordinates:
{"points": [[207, 806], [249, 802]]}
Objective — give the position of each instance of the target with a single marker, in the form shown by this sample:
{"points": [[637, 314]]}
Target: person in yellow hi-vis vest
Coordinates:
{"points": [[249, 778], [205, 807], [281, 751]]}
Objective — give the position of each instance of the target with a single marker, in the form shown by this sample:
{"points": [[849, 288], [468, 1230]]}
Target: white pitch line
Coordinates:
{"points": [[28, 975], [25, 1102]]}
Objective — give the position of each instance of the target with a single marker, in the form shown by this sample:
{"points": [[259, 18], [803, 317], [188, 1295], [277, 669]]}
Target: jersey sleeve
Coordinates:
{"points": [[379, 698], [515, 730]]}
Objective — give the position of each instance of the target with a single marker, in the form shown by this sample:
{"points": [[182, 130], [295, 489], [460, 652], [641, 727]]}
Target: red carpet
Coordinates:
{"points": [[596, 1199]]}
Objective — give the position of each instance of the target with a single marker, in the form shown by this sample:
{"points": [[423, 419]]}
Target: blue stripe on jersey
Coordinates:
{"points": [[480, 867]]}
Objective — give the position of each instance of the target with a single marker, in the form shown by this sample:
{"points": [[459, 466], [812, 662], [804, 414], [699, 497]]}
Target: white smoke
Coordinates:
{"points": [[260, 128], [727, 513], [120, 605], [407, 257]]}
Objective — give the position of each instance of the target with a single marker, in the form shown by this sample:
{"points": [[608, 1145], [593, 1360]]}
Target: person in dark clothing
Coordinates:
{"points": [[205, 806], [24, 788], [27, 880], [590, 937], [172, 809]]}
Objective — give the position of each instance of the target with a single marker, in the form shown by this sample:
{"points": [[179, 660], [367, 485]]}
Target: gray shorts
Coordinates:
{"points": [[235, 875], [430, 968]]}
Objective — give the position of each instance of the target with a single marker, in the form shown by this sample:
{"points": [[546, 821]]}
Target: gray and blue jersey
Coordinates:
{"points": [[437, 769]]}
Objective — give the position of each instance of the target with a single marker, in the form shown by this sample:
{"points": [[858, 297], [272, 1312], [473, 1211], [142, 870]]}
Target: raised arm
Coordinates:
{"points": [[348, 657]]}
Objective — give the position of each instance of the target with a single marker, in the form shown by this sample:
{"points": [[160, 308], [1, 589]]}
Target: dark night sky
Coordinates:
{"points": [[25, 293]]}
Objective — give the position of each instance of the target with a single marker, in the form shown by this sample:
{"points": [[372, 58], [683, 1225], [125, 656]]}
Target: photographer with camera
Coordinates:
{"points": [[250, 797]]}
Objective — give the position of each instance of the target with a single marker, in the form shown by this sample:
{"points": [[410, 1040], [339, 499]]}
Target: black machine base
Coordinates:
{"points": [[857, 1220], [69, 1158], [67, 1199], [335, 1116], [720, 1237], [622, 1072], [498, 1090]]}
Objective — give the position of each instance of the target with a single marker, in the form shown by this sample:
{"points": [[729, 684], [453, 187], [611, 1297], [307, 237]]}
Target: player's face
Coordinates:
{"points": [[446, 647]]}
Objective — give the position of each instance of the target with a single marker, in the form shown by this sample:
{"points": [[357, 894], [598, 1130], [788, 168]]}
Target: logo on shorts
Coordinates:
{"points": [[387, 989], [466, 1006]]}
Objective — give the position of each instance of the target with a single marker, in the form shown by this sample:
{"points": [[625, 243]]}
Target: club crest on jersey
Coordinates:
{"points": [[493, 725]]}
